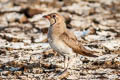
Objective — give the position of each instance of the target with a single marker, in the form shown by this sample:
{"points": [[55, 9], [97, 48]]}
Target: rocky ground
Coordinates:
{"points": [[26, 55]]}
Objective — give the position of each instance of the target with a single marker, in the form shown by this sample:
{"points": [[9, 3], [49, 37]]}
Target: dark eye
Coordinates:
{"points": [[54, 16]]}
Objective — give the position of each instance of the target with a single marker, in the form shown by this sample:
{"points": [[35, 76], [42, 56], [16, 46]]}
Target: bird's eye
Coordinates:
{"points": [[54, 16]]}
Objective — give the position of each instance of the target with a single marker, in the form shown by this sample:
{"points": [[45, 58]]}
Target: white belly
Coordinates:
{"points": [[61, 47]]}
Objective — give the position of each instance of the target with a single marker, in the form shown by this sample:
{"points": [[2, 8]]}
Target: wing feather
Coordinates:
{"points": [[71, 40]]}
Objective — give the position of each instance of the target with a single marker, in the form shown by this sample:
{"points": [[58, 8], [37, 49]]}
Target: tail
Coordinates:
{"points": [[89, 53]]}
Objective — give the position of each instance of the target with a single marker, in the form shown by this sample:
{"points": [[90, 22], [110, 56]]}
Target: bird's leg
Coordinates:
{"points": [[66, 61], [72, 60], [69, 61], [66, 58]]}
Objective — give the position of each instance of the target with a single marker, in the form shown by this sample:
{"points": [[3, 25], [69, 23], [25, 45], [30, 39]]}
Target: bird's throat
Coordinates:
{"points": [[56, 30]]}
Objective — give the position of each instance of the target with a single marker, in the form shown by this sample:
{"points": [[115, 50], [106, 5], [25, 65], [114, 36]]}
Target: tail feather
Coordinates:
{"points": [[89, 53]]}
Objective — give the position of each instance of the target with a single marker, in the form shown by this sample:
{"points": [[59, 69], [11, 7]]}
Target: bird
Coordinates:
{"points": [[63, 41]]}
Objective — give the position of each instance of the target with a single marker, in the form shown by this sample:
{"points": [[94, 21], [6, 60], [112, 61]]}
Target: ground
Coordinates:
{"points": [[24, 50]]}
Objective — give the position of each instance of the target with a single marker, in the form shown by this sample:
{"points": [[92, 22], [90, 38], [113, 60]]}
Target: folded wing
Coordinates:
{"points": [[71, 40]]}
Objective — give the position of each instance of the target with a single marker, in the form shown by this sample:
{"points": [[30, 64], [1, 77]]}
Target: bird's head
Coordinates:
{"points": [[54, 18]]}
